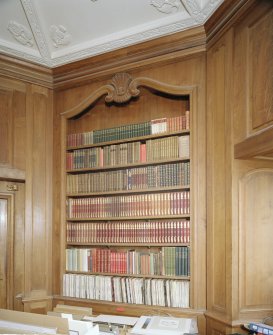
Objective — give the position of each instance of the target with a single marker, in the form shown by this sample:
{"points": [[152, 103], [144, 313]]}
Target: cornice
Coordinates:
{"points": [[164, 49], [227, 14], [26, 71], [161, 50]]}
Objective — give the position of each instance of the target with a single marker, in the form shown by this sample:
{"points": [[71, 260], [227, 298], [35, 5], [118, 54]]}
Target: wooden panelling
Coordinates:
{"points": [[12, 123], [219, 155], [260, 55], [253, 53], [6, 127], [38, 216], [14, 193], [255, 235]]}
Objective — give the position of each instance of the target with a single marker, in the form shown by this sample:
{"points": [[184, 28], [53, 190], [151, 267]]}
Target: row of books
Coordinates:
{"points": [[165, 231], [167, 261], [131, 130], [165, 175], [154, 292], [154, 204], [172, 147]]}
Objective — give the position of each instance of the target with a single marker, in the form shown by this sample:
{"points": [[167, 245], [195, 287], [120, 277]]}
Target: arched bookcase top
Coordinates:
{"points": [[122, 88]]}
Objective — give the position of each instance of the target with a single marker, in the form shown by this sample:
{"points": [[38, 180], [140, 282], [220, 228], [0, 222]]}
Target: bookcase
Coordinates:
{"points": [[127, 222]]}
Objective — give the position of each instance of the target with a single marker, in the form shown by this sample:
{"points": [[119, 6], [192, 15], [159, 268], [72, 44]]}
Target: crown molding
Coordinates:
{"points": [[28, 72], [229, 12], [164, 49]]}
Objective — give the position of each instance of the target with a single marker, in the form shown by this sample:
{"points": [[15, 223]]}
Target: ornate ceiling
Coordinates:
{"points": [[56, 32]]}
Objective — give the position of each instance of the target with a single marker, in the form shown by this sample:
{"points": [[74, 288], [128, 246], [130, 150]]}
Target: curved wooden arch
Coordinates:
{"points": [[122, 88]]}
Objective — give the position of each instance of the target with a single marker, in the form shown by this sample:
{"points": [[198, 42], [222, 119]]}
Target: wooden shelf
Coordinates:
{"points": [[132, 139], [259, 146], [130, 275], [125, 218], [99, 307], [143, 190], [126, 245], [133, 165]]}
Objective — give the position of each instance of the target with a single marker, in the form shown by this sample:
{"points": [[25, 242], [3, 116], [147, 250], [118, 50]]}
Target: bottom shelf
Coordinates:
{"points": [[113, 308], [130, 290]]}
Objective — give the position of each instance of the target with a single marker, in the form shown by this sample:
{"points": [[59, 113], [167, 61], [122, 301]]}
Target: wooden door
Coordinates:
{"points": [[4, 239]]}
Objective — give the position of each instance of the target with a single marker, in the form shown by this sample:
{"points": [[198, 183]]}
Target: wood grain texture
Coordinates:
{"points": [[38, 217], [12, 123], [255, 234], [219, 175], [253, 52], [13, 239]]}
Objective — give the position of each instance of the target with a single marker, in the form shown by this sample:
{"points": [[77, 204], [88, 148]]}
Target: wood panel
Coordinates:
{"points": [[12, 123], [253, 53], [219, 156], [38, 215], [260, 55], [255, 235], [12, 239]]}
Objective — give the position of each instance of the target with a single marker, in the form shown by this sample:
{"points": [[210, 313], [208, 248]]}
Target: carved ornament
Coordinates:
{"points": [[59, 35], [122, 88], [166, 6], [20, 33]]}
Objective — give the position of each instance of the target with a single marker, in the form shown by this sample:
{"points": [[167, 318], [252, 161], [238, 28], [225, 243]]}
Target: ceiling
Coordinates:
{"points": [[56, 32]]}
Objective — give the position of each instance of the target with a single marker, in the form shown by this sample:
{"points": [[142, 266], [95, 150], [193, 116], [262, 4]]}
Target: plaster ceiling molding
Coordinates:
{"points": [[20, 33], [59, 35], [166, 6], [96, 49], [32, 57], [36, 29], [211, 7], [194, 9]]}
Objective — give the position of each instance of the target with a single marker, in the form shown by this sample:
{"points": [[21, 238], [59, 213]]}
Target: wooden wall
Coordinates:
{"points": [[233, 266], [239, 105], [26, 156]]}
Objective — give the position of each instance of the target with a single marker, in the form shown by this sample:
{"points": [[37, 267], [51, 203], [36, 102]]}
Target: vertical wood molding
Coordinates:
{"points": [[38, 214], [219, 154]]}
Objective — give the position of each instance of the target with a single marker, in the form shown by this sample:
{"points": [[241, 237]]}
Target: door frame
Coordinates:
{"points": [[9, 246]]}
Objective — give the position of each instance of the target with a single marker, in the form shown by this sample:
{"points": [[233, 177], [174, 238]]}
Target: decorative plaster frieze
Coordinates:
{"points": [[20, 33], [59, 35], [67, 55], [36, 29], [21, 54], [194, 10], [166, 6], [211, 7], [123, 42]]}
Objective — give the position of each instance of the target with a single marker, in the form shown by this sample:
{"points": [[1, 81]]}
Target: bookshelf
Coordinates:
{"points": [[128, 231]]}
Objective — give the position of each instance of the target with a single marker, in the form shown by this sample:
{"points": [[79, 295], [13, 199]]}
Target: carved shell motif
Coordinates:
{"points": [[122, 88]]}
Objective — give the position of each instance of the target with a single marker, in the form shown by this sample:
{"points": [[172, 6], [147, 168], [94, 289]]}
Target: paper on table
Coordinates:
{"points": [[116, 319]]}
